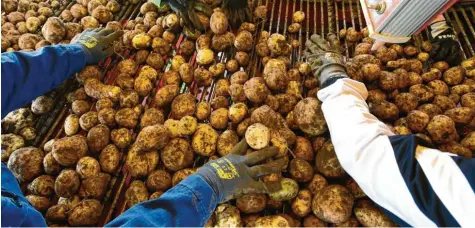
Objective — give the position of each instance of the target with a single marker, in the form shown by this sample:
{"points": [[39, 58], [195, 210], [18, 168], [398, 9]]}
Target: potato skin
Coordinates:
{"points": [[301, 170], [10, 143], [441, 129], [98, 138], [251, 203], [80, 107], [40, 203], [183, 105], [67, 151], [439, 87], [57, 212], [384, 110], [331, 197], [86, 213], [126, 117], [227, 216], [136, 193], [67, 183], [302, 204], [153, 137], [121, 137], [417, 120], [454, 75], [256, 90], [237, 112], [203, 110], [177, 154], [309, 116], [166, 95], [42, 185], [406, 102], [96, 89], [159, 180], [109, 159], [371, 216], [226, 141], [317, 183], [460, 115], [327, 162], [25, 163], [289, 190], [204, 140]]}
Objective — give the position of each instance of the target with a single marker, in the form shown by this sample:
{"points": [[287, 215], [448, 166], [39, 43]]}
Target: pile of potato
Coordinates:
{"points": [[165, 140]]}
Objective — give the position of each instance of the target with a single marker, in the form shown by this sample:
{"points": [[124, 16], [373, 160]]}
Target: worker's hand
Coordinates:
{"points": [[444, 45], [187, 10], [236, 174], [98, 43], [324, 56]]}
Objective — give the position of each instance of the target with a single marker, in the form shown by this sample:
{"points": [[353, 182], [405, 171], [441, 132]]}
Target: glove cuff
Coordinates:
{"points": [[328, 70], [87, 54], [210, 177]]}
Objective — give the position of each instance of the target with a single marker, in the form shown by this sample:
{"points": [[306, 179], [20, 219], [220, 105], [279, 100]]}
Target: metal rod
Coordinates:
{"points": [[322, 19], [307, 19], [352, 16], [314, 18], [271, 17], [278, 18], [344, 26], [470, 27], [300, 34], [359, 15], [447, 17], [337, 23], [286, 18]]}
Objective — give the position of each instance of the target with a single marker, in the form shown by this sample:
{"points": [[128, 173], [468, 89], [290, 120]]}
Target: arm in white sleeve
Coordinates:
{"points": [[421, 186]]}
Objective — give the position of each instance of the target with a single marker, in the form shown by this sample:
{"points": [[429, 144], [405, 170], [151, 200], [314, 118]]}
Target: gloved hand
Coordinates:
{"points": [[444, 45], [187, 9], [97, 43], [235, 174], [325, 58]]}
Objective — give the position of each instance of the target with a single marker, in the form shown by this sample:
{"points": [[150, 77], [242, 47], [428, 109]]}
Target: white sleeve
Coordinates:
{"points": [[365, 148]]}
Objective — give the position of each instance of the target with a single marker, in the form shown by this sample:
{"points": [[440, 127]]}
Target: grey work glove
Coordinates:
{"points": [[236, 174], [98, 43], [325, 58]]}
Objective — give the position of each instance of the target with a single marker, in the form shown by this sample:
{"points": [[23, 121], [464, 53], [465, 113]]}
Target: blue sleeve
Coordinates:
{"points": [[189, 203], [16, 210], [27, 75]]}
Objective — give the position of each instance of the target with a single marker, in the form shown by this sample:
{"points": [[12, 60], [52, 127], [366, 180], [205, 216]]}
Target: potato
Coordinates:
{"points": [[67, 183], [121, 137], [17, 120], [237, 112], [181, 175], [439, 87], [218, 22], [327, 162], [153, 137], [154, 60], [352, 35], [203, 77], [40, 203], [91, 71], [25, 163], [287, 103], [456, 148], [294, 27], [441, 65], [69, 202], [50, 165], [441, 129], [107, 117], [444, 102], [239, 77], [177, 154], [454, 75], [203, 110], [251, 203], [186, 73], [430, 109], [126, 117], [222, 42], [461, 115], [274, 74], [227, 216], [417, 120], [57, 213], [312, 221], [309, 117], [226, 141], [128, 98], [302, 204], [204, 56], [289, 190], [10, 143], [317, 183], [273, 221], [96, 89], [88, 120], [237, 92], [406, 102], [67, 151], [183, 105], [139, 163], [232, 66], [222, 87], [333, 204], [460, 89], [204, 140], [217, 69], [370, 215], [94, 187], [166, 95], [257, 136], [159, 180], [424, 92], [260, 12], [98, 138], [42, 186], [242, 58], [301, 170], [469, 141], [203, 41], [256, 90], [467, 100], [109, 159], [102, 14], [187, 47], [244, 41], [86, 213], [362, 48], [28, 41], [219, 102], [88, 167]]}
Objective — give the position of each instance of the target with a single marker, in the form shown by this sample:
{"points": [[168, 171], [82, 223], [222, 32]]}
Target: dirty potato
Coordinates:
{"points": [[251, 203], [417, 120], [204, 140], [333, 204], [87, 167], [441, 129], [309, 117], [66, 183], [177, 154], [109, 159]]}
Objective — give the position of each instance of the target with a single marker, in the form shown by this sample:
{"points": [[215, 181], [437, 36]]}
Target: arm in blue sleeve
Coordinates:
{"points": [[189, 203], [27, 75]]}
